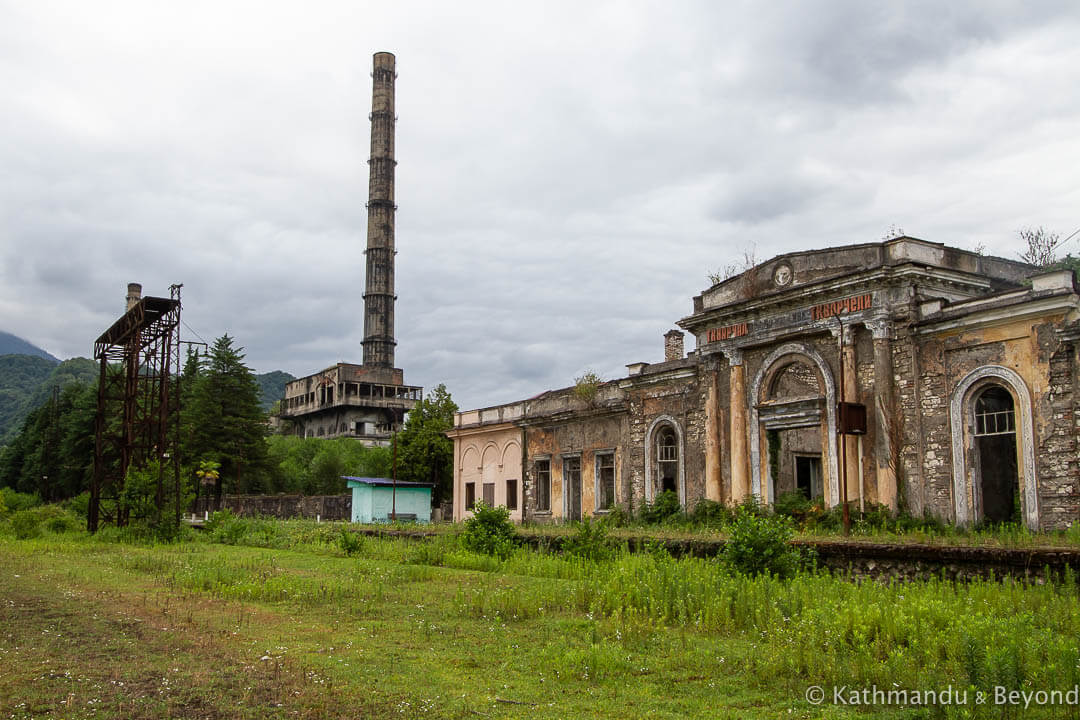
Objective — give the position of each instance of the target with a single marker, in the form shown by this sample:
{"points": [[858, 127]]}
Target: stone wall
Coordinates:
{"points": [[1059, 473], [325, 507]]}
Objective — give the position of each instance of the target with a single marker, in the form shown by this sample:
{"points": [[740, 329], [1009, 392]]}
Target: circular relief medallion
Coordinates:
{"points": [[782, 275]]}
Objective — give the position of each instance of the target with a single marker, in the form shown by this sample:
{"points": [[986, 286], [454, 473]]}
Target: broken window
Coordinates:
{"points": [[571, 467], [994, 413], [511, 494], [667, 459], [605, 480], [995, 447], [542, 470]]}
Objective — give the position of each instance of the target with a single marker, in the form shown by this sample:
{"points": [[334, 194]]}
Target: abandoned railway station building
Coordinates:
{"points": [[905, 373]]}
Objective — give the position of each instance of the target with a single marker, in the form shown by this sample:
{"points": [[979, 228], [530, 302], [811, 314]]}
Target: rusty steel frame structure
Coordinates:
{"points": [[139, 382]]}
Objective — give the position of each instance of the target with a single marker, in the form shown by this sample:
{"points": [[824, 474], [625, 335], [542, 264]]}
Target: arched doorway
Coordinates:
{"points": [[793, 426], [993, 448], [995, 453]]}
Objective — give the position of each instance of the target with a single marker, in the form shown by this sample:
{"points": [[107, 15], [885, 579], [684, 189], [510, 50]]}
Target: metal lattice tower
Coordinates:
{"points": [[379, 288], [137, 419]]}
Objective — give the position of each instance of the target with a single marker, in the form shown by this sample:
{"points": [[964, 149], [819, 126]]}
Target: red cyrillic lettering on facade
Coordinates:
{"points": [[726, 333], [840, 307]]}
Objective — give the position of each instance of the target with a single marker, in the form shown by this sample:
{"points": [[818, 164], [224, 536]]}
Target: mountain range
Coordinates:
{"points": [[13, 345], [28, 375]]}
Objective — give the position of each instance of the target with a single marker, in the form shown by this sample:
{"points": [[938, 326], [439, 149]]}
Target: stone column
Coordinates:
{"points": [[851, 394], [712, 437], [885, 411], [740, 458]]}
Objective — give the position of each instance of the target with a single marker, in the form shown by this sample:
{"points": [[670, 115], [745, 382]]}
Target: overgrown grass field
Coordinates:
{"points": [[271, 619]]}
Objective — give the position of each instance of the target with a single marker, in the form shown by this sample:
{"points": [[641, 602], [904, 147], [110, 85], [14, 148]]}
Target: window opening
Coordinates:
{"points": [[542, 468]]}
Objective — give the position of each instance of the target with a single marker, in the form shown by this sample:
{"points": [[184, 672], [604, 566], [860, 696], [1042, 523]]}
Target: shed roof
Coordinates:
{"points": [[383, 482]]}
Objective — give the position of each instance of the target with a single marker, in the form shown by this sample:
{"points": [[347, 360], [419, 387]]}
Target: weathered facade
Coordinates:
{"points": [[346, 400], [965, 366]]}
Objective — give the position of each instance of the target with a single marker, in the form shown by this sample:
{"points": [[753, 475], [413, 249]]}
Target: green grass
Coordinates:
{"points": [[284, 624]]}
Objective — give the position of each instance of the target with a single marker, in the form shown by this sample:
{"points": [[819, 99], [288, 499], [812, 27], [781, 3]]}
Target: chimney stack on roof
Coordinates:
{"points": [[673, 345], [134, 295]]}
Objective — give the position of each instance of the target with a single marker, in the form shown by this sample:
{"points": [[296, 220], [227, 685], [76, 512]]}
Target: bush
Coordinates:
{"points": [[17, 501], [224, 527], [79, 506], [710, 513], [794, 505], [590, 541], [759, 545], [617, 516], [350, 542], [489, 531], [664, 509], [30, 523]]}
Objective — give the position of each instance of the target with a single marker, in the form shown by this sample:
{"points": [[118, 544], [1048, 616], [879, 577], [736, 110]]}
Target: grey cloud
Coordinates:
{"points": [[563, 188]]}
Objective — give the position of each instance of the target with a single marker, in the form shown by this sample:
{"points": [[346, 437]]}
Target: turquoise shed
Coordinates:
{"points": [[373, 498]]}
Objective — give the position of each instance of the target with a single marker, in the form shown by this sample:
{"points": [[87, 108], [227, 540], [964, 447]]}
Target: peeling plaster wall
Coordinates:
{"points": [[1031, 349]]}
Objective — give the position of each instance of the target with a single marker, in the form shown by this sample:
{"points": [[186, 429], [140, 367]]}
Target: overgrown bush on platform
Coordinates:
{"points": [[710, 513], [489, 531], [350, 542], [664, 508], [590, 541], [760, 545], [224, 527]]}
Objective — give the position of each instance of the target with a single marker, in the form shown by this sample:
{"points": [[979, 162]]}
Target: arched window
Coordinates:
{"points": [[994, 476], [994, 413], [667, 460]]}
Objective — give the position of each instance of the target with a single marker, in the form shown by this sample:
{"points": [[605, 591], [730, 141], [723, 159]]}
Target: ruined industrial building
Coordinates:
{"points": [[365, 401], [953, 376]]}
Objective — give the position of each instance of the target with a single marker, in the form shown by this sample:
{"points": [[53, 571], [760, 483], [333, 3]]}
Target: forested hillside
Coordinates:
{"points": [[272, 387], [27, 382], [20, 378]]}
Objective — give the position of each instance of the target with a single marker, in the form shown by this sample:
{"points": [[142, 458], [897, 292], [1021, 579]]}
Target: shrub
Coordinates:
{"points": [[16, 501], [30, 523], [350, 542], [489, 531], [759, 545], [664, 509], [617, 516], [79, 506], [710, 513], [590, 541], [794, 505], [224, 527]]}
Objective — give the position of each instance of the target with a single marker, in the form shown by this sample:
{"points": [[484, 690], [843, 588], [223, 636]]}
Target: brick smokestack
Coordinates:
{"points": [[673, 345], [379, 287], [134, 295]]}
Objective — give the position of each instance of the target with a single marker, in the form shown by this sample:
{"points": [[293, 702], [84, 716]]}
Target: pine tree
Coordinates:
{"points": [[223, 421], [425, 454]]}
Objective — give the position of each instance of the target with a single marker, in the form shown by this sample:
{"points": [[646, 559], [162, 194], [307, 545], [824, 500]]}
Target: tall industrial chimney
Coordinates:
{"points": [[379, 289]]}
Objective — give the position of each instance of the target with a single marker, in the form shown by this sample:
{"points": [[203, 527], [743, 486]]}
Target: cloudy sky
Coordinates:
{"points": [[568, 173]]}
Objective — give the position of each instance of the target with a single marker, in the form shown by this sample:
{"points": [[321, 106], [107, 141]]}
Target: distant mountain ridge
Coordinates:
{"points": [[14, 345], [28, 374], [272, 387]]}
